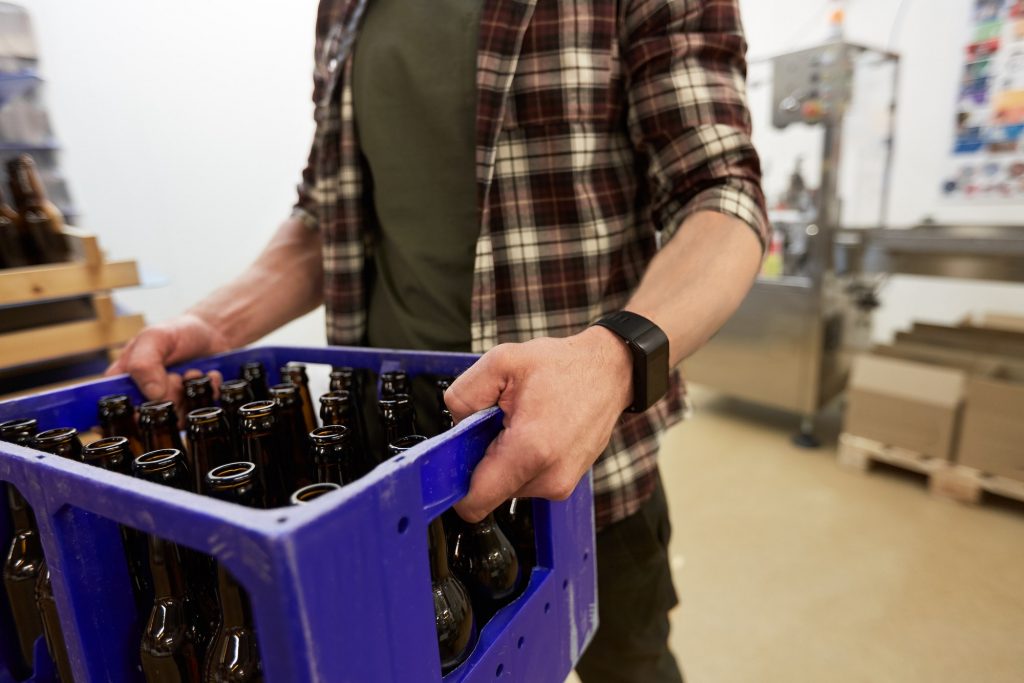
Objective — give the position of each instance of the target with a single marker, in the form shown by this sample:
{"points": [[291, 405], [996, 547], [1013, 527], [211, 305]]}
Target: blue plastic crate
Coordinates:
{"points": [[340, 588]]}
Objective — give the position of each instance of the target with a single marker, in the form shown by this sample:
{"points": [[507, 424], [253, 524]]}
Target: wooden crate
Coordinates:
{"points": [[945, 479], [89, 275]]}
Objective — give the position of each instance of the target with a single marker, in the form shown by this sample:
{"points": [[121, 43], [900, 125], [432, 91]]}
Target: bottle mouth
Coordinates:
{"points": [[156, 406], [115, 400], [157, 461], [310, 493], [329, 434], [283, 389], [106, 445], [58, 435], [231, 475], [406, 443], [336, 396], [394, 401], [194, 381], [257, 409], [208, 414], [234, 385], [18, 425]]}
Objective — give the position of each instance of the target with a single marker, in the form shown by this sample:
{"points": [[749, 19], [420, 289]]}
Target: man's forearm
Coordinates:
{"points": [[284, 282], [698, 280]]}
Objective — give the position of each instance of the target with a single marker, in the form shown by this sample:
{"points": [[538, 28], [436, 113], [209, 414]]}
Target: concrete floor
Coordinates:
{"points": [[792, 569]]}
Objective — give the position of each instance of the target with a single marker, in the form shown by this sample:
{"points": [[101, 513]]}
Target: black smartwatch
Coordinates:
{"points": [[649, 348]]}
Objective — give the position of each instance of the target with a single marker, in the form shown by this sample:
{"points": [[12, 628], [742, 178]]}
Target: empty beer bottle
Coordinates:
{"points": [[405, 443], [62, 441], [117, 418], [109, 453], [453, 612], [159, 426], [234, 393], [396, 420], [198, 393], [261, 445], [170, 647], [445, 416], [172, 637], [308, 494], [209, 442], [485, 560], [515, 518], [24, 558], [233, 655], [40, 221], [393, 383], [338, 408], [295, 373], [295, 462], [256, 375], [334, 458], [344, 379], [52, 630], [12, 249]]}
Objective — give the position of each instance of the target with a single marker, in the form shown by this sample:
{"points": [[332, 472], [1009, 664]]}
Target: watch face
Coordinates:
{"points": [[650, 349]]}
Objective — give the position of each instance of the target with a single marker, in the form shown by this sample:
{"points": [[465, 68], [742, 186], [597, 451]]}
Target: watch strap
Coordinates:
{"points": [[649, 347]]}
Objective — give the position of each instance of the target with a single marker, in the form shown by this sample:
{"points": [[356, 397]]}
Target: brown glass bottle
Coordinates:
{"points": [[334, 458], [233, 655], [62, 441], [256, 375], [308, 494], [117, 418], [515, 518], [159, 426], [24, 558], [296, 465], [397, 420], [444, 415], [111, 453], [485, 560], [172, 638], [261, 445], [453, 612], [234, 393], [40, 221], [198, 393], [209, 442], [295, 373], [12, 248], [344, 378], [394, 383], [47, 606], [337, 408]]}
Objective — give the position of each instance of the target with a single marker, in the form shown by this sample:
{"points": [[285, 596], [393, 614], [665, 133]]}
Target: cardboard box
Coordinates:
{"points": [[905, 403], [992, 436], [1000, 321], [967, 338], [973, 361]]}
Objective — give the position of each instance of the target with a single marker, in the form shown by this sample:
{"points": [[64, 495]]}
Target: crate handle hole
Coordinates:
{"points": [[565, 584], [400, 458], [40, 457], [520, 642], [282, 520], [547, 607], [499, 670], [403, 524], [586, 556]]}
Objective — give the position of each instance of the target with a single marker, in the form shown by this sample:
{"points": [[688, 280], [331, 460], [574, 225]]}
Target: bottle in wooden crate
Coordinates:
{"points": [[40, 221], [12, 247]]}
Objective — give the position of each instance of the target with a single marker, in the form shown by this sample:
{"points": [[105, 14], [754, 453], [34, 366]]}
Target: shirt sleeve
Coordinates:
{"points": [[686, 71], [307, 205]]}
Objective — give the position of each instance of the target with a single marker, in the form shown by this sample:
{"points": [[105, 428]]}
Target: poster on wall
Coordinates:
{"points": [[988, 148]]}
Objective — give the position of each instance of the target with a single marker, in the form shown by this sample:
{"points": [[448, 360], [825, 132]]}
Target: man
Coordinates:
{"points": [[496, 176]]}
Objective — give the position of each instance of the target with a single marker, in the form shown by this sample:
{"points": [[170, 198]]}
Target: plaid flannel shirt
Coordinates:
{"points": [[599, 124]]}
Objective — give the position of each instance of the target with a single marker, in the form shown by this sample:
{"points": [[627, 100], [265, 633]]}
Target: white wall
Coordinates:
{"points": [[186, 124]]}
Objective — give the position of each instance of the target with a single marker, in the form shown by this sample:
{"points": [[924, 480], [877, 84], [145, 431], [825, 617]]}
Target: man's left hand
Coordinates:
{"points": [[561, 399]]}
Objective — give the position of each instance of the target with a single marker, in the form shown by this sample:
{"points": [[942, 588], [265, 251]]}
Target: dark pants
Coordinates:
{"points": [[635, 593]]}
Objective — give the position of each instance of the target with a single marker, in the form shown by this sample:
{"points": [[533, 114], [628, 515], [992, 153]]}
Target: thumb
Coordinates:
{"points": [[482, 384]]}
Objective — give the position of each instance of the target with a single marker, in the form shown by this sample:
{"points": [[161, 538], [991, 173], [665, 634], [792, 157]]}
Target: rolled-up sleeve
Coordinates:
{"points": [[686, 71]]}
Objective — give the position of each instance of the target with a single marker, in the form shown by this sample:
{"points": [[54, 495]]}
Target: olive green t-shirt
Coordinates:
{"points": [[414, 92]]}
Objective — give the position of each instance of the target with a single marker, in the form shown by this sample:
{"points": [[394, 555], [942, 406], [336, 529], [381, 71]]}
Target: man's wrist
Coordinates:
{"points": [[615, 361]]}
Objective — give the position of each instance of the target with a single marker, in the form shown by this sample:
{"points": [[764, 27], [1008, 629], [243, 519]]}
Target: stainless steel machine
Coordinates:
{"points": [[790, 344]]}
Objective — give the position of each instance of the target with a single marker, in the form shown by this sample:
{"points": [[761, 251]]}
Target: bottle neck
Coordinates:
{"points": [[438, 546], [234, 603], [21, 514], [165, 566]]}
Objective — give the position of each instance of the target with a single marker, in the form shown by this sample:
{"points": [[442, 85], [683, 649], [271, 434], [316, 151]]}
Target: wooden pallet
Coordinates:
{"points": [[89, 275], [945, 479]]}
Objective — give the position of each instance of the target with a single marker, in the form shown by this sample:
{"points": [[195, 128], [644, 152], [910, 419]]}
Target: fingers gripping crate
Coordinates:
{"points": [[340, 588]]}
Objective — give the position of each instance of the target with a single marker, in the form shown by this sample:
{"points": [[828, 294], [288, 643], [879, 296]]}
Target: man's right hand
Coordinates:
{"points": [[146, 356]]}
